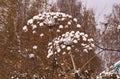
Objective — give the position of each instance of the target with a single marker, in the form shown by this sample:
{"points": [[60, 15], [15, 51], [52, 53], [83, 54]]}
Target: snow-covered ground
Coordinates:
{"points": [[112, 72]]}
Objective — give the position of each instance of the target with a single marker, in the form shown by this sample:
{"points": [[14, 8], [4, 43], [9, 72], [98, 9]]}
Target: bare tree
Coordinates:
{"points": [[13, 15], [111, 37]]}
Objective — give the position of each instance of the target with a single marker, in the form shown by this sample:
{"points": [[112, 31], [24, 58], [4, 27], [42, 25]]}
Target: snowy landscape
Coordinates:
{"points": [[59, 39]]}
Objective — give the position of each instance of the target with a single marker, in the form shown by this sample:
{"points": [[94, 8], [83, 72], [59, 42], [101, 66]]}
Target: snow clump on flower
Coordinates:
{"points": [[25, 29], [31, 55], [35, 47]]}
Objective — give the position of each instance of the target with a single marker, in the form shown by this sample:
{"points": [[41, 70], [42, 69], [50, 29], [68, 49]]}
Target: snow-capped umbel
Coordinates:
{"points": [[68, 41], [51, 19]]}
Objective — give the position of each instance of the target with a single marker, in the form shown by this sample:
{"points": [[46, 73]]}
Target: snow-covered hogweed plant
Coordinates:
{"points": [[59, 32], [38, 28], [73, 40], [50, 19]]}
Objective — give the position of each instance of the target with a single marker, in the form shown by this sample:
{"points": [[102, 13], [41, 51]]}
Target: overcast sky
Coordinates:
{"points": [[101, 7]]}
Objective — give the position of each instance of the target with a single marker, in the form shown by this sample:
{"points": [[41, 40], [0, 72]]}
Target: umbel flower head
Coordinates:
{"points": [[70, 41], [51, 19]]}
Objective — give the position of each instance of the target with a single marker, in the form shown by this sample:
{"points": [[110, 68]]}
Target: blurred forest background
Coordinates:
{"points": [[15, 62]]}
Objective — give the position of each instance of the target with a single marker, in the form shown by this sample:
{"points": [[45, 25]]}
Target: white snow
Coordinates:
{"points": [[84, 38], [90, 48], [118, 62], [90, 40], [69, 16], [78, 25], [12, 77], [49, 54], [63, 19], [72, 31], [34, 27], [41, 18], [81, 33], [50, 43], [56, 41], [69, 23], [25, 29], [75, 41], [86, 35], [41, 35], [64, 53], [34, 32], [63, 46], [85, 50], [66, 26], [50, 22], [75, 19], [35, 47], [31, 55], [83, 44], [61, 26], [55, 17], [68, 48], [58, 50], [64, 15], [41, 24], [17, 78], [118, 27], [58, 30], [92, 45], [30, 21], [36, 17]]}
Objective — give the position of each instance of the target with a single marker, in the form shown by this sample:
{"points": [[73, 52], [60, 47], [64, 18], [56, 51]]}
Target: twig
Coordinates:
{"points": [[71, 56], [90, 59], [107, 49]]}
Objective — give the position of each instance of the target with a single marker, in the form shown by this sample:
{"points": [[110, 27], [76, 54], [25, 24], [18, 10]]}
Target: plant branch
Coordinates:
{"points": [[73, 63], [91, 59], [107, 49]]}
